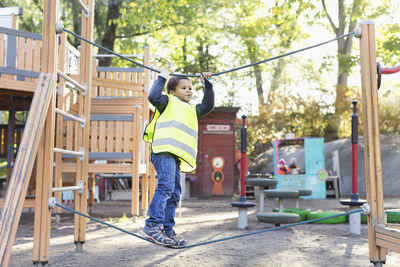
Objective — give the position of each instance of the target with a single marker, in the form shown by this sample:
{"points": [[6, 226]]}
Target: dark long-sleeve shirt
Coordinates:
{"points": [[160, 101]]}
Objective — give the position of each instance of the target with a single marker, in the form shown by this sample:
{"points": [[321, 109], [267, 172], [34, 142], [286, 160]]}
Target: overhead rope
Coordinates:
{"points": [[217, 240], [214, 74]]}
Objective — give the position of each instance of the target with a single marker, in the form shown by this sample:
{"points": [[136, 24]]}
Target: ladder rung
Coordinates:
{"points": [[72, 117], [80, 154], [78, 187], [81, 87]]}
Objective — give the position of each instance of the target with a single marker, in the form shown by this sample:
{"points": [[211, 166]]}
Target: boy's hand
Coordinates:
{"points": [[164, 73], [205, 75]]}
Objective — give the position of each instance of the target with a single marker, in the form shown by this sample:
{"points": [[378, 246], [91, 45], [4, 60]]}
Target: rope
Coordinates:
{"points": [[272, 229], [212, 241], [102, 222], [214, 74]]}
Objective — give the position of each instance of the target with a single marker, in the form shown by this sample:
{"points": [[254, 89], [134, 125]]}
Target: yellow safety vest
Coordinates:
{"points": [[175, 131]]}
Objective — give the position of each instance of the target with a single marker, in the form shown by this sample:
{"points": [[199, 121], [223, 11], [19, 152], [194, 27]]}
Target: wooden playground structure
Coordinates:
{"points": [[101, 117], [83, 119]]}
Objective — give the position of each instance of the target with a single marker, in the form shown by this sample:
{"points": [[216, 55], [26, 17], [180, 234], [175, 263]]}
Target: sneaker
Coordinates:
{"points": [[156, 235], [178, 243]]}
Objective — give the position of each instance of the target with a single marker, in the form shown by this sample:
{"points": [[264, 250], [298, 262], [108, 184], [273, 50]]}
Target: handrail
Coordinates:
{"points": [[390, 70]]}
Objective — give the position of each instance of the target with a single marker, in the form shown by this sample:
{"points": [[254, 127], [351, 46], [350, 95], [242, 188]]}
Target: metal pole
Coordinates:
{"points": [[84, 7], [78, 187], [80, 154], [72, 117], [354, 142], [65, 188], [82, 88], [243, 136]]}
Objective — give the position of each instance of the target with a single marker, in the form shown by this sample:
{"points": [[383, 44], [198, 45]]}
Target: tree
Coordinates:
{"points": [[347, 20], [110, 28]]}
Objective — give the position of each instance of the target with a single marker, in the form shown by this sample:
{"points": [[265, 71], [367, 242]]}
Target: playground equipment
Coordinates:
{"points": [[283, 215], [40, 133], [280, 217], [314, 163], [380, 235], [117, 132], [262, 183], [354, 201], [242, 204]]}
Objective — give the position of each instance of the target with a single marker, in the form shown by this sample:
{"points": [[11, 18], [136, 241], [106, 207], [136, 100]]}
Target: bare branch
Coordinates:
{"points": [[148, 31], [335, 29]]}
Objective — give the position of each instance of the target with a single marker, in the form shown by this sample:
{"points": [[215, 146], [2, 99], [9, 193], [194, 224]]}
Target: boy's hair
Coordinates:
{"points": [[173, 82]]}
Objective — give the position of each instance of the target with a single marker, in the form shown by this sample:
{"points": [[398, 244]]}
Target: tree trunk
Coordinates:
{"points": [[257, 71], [344, 50], [108, 40], [76, 12]]}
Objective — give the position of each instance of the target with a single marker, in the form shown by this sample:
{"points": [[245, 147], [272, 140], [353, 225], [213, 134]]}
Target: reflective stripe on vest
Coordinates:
{"points": [[175, 131]]}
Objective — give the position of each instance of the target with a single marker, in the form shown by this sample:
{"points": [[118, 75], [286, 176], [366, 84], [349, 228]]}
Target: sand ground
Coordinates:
{"points": [[204, 220]]}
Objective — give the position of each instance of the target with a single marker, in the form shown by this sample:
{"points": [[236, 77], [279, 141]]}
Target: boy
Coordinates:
{"points": [[173, 137]]}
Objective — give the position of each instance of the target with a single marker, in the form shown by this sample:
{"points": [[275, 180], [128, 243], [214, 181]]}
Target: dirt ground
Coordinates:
{"points": [[204, 220]]}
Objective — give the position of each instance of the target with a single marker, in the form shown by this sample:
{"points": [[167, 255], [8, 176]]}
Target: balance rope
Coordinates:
{"points": [[212, 241], [214, 74]]}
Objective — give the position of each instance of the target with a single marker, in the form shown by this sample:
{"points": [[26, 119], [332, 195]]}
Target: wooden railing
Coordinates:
{"points": [[19, 59]]}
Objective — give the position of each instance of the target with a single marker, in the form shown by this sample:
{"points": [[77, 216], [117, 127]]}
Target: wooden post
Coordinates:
{"points": [[145, 179], [135, 163], [372, 156], [85, 68], [63, 60], [16, 191], [45, 157]]}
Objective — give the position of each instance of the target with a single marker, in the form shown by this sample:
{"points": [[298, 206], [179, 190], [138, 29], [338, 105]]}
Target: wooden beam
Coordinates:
{"points": [[85, 70], [135, 165], [16, 191], [63, 61], [45, 157], [393, 225], [28, 203], [373, 168], [388, 238], [139, 139], [124, 85], [106, 168], [15, 85]]}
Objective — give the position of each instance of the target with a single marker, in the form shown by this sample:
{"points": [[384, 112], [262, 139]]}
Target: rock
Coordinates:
{"points": [[390, 157]]}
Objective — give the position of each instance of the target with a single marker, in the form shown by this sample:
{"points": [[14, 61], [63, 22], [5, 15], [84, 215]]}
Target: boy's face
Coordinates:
{"points": [[183, 90]]}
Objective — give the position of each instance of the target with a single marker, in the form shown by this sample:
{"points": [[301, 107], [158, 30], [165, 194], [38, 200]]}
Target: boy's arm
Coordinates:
{"points": [[207, 104], [156, 98]]}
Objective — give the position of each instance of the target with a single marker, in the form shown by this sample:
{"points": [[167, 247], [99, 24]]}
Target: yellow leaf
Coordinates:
{"points": [[275, 11]]}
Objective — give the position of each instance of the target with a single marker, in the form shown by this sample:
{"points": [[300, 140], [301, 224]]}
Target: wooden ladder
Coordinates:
{"points": [[39, 138]]}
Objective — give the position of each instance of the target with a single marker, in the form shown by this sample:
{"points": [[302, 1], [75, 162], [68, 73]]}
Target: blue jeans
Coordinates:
{"points": [[168, 191]]}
